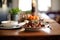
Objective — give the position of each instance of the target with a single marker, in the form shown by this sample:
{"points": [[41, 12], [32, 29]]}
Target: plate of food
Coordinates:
{"points": [[32, 26]]}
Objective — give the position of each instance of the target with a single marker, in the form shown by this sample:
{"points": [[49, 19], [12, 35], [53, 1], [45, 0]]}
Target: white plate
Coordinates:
{"points": [[11, 25]]}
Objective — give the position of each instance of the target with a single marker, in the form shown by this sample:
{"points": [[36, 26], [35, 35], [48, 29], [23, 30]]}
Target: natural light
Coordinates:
{"points": [[43, 5], [25, 5]]}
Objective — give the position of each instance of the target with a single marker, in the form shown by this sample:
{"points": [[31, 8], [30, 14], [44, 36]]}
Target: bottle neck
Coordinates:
{"points": [[33, 9]]}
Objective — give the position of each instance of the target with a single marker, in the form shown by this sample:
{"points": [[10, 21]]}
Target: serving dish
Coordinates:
{"points": [[11, 25]]}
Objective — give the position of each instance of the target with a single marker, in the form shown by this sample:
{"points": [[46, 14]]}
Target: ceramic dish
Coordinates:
{"points": [[11, 25]]}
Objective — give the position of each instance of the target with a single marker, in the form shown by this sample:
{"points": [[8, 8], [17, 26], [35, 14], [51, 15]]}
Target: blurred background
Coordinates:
{"points": [[51, 8]]}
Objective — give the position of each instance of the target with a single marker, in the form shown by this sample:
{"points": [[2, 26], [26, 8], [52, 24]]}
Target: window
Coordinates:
{"points": [[25, 5], [44, 5], [9, 3]]}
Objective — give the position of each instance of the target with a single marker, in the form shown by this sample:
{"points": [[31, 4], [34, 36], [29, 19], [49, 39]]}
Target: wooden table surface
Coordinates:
{"points": [[54, 25]]}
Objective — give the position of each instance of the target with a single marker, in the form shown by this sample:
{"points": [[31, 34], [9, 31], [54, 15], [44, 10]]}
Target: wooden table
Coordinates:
{"points": [[54, 25]]}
